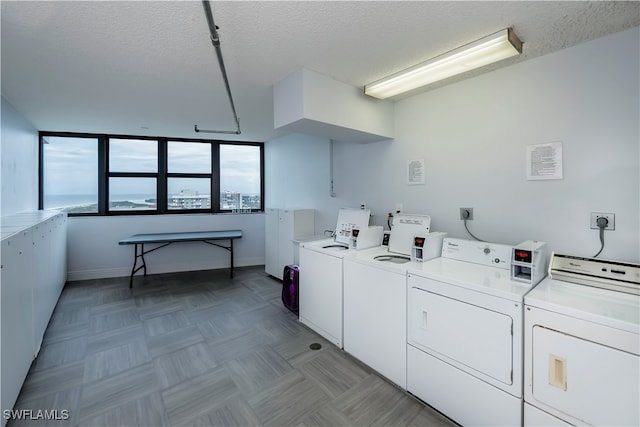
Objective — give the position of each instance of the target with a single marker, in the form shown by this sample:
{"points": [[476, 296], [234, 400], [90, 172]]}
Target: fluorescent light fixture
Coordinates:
{"points": [[493, 48]]}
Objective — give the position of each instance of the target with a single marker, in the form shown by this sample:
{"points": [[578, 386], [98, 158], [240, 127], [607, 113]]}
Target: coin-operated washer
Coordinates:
{"points": [[375, 304], [582, 344], [464, 343], [321, 271]]}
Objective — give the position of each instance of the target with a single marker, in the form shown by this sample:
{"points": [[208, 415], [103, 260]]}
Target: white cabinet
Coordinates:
{"points": [[33, 275], [17, 315], [49, 249], [282, 226]]}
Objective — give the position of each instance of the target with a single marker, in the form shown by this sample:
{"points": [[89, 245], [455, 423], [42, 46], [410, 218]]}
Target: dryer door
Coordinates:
{"points": [[473, 338], [593, 383]]}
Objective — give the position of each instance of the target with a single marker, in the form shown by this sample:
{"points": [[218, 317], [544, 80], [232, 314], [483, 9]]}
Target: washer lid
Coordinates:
{"points": [[368, 257], [328, 247]]}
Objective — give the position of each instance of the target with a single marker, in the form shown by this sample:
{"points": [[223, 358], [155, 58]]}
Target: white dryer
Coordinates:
{"points": [[464, 344], [320, 291], [582, 345], [375, 303]]}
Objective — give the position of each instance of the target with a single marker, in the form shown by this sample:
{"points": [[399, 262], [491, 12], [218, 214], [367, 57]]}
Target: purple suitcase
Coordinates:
{"points": [[290, 286]]}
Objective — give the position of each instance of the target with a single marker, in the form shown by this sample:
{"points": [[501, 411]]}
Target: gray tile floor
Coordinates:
{"points": [[200, 349]]}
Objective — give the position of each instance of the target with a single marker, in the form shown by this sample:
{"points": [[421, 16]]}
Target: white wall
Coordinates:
{"points": [[19, 152], [297, 171], [472, 136], [94, 252]]}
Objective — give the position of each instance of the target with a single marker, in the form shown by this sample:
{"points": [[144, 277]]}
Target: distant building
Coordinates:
{"points": [[230, 200], [189, 199]]}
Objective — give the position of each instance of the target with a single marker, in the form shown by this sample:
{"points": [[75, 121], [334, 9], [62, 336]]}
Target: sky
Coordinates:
{"points": [[71, 166]]}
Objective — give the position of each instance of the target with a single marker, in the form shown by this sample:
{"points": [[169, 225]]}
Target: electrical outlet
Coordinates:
{"points": [[611, 220], [399, 208], [466, 213]]}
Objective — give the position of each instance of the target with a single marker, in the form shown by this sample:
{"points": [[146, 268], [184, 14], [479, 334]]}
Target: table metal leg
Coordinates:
{"points": [[144, 263], [137, 255], [135, 262], [231, 250]]}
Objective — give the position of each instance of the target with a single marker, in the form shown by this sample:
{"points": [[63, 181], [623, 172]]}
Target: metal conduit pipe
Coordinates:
{"points": [[215, 40]]}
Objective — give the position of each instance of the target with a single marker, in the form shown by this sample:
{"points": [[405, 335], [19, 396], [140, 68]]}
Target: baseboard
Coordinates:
{"points": [[105, 273]]}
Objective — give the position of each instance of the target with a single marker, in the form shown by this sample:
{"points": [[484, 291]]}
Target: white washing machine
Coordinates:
{"points": [[375, 303], [320, 281], [582, 345], [464, 346]]}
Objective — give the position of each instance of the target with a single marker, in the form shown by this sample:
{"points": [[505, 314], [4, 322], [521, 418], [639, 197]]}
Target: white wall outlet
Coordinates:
{"points": [[611, 220], [466, 213], [399, 208]]}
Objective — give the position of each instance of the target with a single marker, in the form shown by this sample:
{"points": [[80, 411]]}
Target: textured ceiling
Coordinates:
{"points": [[148, 68]]}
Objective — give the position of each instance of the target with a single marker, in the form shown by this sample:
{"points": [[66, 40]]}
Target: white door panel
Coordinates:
{"points": [[460, 396], [534, 417], [591, 382], [473, 336]]}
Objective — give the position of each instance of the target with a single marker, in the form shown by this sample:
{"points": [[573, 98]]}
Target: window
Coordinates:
{"points": [[92, 174], [69, 177], [189, 175], [133, 174], [240, 182]]}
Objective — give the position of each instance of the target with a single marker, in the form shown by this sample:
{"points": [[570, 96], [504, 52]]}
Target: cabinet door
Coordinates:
{"points": [[45, 286], [271, 258], [286, 234], [17, 312], [59, 252]]}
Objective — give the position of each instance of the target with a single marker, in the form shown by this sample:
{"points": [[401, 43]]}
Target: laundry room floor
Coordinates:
{"points": [[200, 349]]}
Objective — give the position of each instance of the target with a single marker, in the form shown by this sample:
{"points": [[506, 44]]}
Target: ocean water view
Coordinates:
{"points": [[89, 202], [52, 201]]}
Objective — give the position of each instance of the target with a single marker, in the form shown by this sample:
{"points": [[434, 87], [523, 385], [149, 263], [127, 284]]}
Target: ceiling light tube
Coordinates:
{"points": [[487, 50]]}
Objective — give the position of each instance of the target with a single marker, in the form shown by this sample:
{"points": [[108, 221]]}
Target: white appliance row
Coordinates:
{"points": [[322, 266], [453, 330]]}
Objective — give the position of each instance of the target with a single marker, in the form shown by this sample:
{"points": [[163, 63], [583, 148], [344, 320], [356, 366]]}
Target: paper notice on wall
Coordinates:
{"points": [[415, 172], [544, 161]]}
